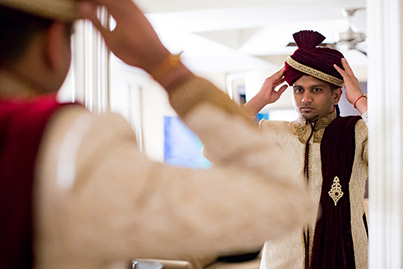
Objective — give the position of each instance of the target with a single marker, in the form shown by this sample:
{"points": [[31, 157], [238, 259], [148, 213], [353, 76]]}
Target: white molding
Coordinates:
{"points": [[385, 129], [91, 66]]}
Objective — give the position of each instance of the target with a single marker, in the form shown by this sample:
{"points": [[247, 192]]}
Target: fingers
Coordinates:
{"points": [[341, 71], [347, 69], [278, 74], [278, 81], [346, 66], [109, 4], [89, 11], [282, 89], [117, 8]]}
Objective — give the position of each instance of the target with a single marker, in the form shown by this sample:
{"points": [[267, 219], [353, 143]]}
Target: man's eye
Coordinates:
{"points": [[298, 90], [317, 90]]}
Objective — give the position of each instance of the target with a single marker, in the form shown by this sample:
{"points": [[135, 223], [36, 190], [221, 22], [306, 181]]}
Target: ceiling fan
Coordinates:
{"points": [[349, 39]]}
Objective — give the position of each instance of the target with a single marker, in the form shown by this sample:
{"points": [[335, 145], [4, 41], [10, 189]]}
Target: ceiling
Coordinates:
{"points": [[240, 35]]}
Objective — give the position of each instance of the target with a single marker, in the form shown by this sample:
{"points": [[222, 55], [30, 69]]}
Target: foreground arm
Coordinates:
{"points": [[116, 204], [138, 208]]}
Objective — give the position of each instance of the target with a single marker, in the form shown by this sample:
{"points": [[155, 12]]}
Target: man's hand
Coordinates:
{"points": [[267, 93], [133, 40], [352, 86]]}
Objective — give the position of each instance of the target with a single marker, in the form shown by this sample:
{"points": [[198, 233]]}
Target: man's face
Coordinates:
{"points": [[314, 98]]}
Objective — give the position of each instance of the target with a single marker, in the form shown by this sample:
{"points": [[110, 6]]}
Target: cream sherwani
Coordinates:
{"points": [[99, 200], [293, 137]]}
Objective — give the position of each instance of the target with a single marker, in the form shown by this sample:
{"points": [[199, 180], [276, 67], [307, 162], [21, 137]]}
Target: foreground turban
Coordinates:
{"points": [[64, 10], [309, 59]]}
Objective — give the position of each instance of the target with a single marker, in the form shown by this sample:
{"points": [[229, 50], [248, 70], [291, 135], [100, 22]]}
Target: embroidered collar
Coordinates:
{"points": [[303, 128]]}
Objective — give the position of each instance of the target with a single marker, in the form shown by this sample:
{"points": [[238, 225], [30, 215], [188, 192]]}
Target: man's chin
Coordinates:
{"points": [[309, 117]]}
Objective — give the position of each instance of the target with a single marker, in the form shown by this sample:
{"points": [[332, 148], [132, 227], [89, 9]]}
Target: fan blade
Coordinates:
{"points": [[363, 52], [327, 45], [291, 44]]}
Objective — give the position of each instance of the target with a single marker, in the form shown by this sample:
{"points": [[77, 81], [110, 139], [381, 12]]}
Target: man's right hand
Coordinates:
{"points": [[133, 40], [267, 93]]}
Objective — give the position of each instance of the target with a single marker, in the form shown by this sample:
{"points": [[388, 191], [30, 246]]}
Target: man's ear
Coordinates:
{"points": [[337, 95], [54, 46]]}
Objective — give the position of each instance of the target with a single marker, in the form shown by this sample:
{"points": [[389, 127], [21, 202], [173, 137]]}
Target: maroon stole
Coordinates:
{"points": [[333, 243], [22, 124]]}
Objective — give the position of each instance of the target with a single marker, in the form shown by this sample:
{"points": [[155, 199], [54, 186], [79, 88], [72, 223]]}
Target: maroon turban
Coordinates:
{"points": [[309, 59]]}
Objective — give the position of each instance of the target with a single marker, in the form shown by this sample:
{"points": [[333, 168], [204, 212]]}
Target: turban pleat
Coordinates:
{"points": [[310, 54]]}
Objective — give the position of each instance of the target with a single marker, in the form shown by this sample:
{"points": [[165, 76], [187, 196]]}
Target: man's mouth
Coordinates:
{"points": [[306, 108]]}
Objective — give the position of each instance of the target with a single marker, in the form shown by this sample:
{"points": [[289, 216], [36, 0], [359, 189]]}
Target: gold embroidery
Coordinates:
{"points": [[318, 135], [303, 247], [335, 191], [195, 91], [313, 72], [302, 128]]}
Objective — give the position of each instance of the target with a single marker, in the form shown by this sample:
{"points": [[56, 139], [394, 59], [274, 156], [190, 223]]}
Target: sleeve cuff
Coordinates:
{"points": [[365, 117], [195, 91]]}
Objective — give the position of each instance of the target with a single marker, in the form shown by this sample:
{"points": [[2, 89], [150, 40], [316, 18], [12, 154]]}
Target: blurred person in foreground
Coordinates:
{"points": [[330, 151], [76, 191]]}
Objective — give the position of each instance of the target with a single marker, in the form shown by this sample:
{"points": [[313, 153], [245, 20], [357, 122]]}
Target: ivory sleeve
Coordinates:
{"points": [[101, 197]]}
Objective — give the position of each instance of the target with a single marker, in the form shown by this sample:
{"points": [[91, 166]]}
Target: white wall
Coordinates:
{"points": [[152, 104]]}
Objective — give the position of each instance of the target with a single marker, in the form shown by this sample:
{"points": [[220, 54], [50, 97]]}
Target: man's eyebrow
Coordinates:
{"points": [[318, 85]]}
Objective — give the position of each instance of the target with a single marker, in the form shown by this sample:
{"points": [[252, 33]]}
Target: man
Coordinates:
{"points": [[331, 153], [77, 193]]}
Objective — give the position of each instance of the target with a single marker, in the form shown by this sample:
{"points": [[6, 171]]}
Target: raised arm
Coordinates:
{"points": [[135, 42], [267, 93], [136, 207], [354, 94]]}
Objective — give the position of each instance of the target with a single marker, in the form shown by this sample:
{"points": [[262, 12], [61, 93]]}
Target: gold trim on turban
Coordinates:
{"points": [[314, 73], [65, 10]]}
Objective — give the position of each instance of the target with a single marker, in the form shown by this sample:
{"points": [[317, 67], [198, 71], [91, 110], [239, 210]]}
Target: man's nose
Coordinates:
{"points": [[307, 97]]}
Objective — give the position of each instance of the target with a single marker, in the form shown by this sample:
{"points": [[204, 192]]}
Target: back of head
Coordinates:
{"points": [[64, 10], [20, 20], [313, 60]]}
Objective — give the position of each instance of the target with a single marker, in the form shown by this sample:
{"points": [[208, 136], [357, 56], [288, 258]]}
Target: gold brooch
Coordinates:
{"points": [[335, 191]]}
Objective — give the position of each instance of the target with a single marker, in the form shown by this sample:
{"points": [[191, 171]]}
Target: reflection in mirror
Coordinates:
{"points": [[237, 45]]}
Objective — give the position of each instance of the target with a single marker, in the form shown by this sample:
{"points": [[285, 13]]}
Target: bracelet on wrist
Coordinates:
{"points": [[356, 100], [165, 66]]}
